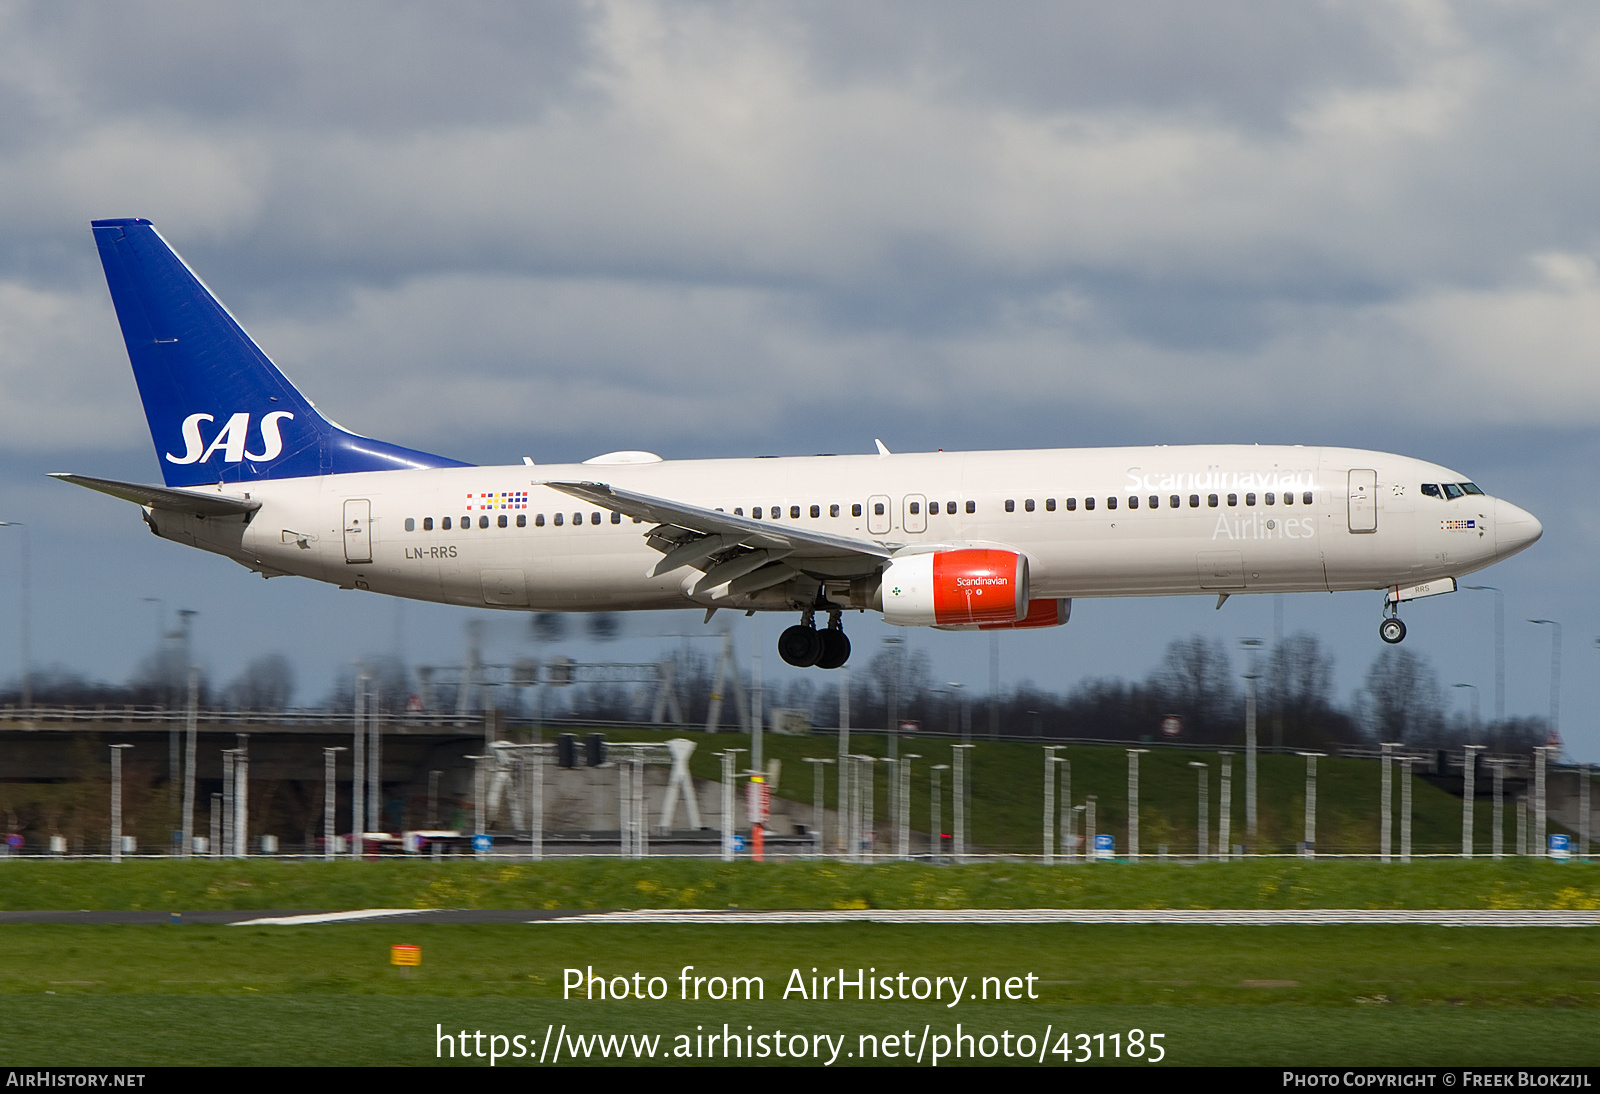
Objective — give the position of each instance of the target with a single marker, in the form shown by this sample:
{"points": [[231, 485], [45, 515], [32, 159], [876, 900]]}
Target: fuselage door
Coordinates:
{"points": [[915, 517], [1363, 501], [357, 530], [879, 516]]}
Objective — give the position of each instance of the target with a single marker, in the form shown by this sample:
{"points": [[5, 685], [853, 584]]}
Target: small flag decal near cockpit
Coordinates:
{"points": [[504, 499]]}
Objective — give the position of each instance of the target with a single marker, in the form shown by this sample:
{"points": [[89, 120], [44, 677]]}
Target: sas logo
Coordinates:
{"points": [[230, 439]]}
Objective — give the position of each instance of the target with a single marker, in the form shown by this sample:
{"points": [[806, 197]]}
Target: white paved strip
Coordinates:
{"points": [[324, 917], [1194, 916]]}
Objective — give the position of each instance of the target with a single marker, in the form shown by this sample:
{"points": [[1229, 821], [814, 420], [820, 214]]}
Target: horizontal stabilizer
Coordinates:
{"points": [[162, 497]]}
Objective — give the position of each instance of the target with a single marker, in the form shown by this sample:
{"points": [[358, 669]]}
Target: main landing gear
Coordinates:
{"points": [[803, 645]]}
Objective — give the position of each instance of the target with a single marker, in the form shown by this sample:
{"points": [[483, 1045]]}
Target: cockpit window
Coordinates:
{"points": [[1452, 491], [1431, 490], [1469, 488]]}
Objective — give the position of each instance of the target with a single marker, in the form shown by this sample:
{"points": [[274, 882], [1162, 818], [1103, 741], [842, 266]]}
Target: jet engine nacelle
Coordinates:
{"points": [[1041, 613], [955, 588]]}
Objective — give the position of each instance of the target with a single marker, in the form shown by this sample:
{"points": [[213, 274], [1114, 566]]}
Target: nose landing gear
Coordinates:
{"points": [[1392, 631], [803, 645]]}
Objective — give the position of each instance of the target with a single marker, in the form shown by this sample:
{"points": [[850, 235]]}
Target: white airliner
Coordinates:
{"points": [[975, 540]]}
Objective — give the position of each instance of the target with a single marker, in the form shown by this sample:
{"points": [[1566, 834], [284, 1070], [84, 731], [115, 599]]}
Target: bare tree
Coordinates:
{"points": [[267, 683], [1401, 700], [1195, 680]]}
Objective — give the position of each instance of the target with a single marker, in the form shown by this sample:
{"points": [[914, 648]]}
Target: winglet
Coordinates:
{"points": [[883, 449]]}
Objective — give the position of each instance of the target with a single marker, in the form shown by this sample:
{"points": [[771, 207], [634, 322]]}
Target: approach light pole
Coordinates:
{"points": [[330, 788], [1133, 802], [1499, 649], [1252, 646], [116, 801], [1203, 819]]}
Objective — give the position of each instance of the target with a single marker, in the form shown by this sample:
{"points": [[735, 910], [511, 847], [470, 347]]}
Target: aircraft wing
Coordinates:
{"points": [[690, 535], [162, 497]]}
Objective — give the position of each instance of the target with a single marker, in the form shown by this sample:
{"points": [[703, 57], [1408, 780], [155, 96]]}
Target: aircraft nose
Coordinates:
{"points": [[1514, 528]]}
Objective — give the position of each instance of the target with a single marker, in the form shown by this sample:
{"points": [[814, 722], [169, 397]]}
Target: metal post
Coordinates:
{"points": [[480, 804], [1133, 803], [1539, 842], [1405, 808], [758, 722], [215, 849], [1469, 784], [225, 848], [624, 809], [1311, 802], [844, 763], [330, 791], [1203, 825], [116, 801], [903, 769], [1069, 847], [1497, 841], [191, 720], [817, 812], [1583, 811], [358, 775], [869, 842], [1049, 804], [1385, 808], [958, 754], [936, 822], [533, 758], [1252, 645], [375, 761], [1088, 828], [1522, 824], [729, 820], [241, 798], [1225, 806], [433, 798]]}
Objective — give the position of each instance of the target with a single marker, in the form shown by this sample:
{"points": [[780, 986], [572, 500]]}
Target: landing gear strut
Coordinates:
{"points": [[803, 645]]}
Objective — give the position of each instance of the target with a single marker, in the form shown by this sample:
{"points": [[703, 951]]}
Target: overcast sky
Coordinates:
{"points": [[703, 229]]}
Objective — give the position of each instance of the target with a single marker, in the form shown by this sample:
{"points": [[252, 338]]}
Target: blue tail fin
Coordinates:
{"points": [[219, 409]]}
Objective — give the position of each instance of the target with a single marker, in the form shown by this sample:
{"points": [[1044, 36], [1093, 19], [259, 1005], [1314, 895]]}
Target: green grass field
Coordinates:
{"points": [[607, 883], [126, 996]]}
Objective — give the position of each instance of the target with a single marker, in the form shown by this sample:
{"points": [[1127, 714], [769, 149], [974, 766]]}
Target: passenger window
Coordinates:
{"points": [[877, 508], [1211, 500], [445, 524], [1288, 499], [1072, 504], [1111, 503], [855, 510], [738, 511], [916, 507], [1194, 501], [466, 522], [833, 510], [1452, 491], [1011, 506], [1233, 499], [1028, 505], [794, 511], [1249, 499], [1049, 505], [538, 521], [1174, 501], [411, 525], [1271, 498], [756, 512], [503, 522], [577, 519], [1155, 502], [1305, 499], [816, 510], [427, 524], [560, 518], [1133, 503], [616, 518], [594, 518], [1088, 503], [972, 507], [522, 520], [483, 522], [950, 508]]}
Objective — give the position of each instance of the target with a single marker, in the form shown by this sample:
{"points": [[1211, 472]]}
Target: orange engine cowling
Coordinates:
{"points": [[956, 588], [1041, 613]]}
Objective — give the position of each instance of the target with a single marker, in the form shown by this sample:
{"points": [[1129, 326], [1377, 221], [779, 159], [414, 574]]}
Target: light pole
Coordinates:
{"points": [[816, 763], [1555, 676], [24, 638], [116, 801], [959, 802], [1251, 645], [329, 789], [1386, 805], [1499, 649], [937, 822], [1476, 721], [1050, 803], [1225, 808], [1469, 771]]}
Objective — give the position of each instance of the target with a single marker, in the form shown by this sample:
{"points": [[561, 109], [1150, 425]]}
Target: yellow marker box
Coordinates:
{"points": [[405, 955]]}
